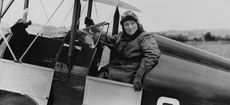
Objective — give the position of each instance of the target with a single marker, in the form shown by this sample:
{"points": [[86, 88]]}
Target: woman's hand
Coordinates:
{"points": [[137, 83], [89, 40]]}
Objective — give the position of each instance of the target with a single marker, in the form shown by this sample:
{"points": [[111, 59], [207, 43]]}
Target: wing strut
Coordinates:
{"points": [[7, 7], [1, 5], [116, 18], [26, 5], [74, 28], [90, 4]]}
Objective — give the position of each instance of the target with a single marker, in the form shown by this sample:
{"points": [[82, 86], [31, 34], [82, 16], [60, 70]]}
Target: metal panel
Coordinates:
{"points": [[100, 91], [31, 80]]}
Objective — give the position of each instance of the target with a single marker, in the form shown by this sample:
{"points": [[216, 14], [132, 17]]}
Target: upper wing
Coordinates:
{"points": [[118, 3]]}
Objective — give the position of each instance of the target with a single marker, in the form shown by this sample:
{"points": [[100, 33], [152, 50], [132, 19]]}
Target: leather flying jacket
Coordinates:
{"points": [[141, 54]]}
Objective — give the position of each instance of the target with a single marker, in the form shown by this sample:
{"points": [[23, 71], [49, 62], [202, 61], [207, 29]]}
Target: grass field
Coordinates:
{"points": [[221, 48]]}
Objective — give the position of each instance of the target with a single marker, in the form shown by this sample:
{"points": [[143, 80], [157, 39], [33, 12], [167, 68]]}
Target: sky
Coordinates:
{"points": [[156, 15]]}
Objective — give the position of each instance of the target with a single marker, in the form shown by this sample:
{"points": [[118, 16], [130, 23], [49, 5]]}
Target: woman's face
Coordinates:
{"points": [[130, 27]]}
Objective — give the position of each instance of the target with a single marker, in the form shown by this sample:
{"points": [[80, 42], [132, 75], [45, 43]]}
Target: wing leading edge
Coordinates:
{"points": [[118, 3]]}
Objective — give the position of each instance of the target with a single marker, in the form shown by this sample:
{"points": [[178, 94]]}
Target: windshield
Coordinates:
{"points": [[91, 35]]}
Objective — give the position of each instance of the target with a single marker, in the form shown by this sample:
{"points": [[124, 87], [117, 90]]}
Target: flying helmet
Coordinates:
{"points": [[129, 15]]}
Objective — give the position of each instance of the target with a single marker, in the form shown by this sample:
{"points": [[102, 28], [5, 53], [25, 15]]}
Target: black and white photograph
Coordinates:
{"points": [[114, 52]]}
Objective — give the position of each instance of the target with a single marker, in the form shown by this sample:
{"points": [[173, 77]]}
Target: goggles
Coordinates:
{"points": [[128, 13]]}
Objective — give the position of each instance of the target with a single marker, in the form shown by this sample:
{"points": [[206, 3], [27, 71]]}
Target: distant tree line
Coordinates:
{"points": [[180, 38], [206, 37]]}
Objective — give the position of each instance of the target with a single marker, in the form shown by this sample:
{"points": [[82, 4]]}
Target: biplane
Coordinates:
{"points": [[31, 67]]}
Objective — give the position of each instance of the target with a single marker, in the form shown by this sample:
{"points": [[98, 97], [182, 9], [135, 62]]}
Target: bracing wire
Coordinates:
{"points": [[107, 19], [96, 10], [65, 18], [43, 7], [110, 15], [40, 30], [45, 25], [53, 13], [82, 12], [69, 13], [48, 19]]}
